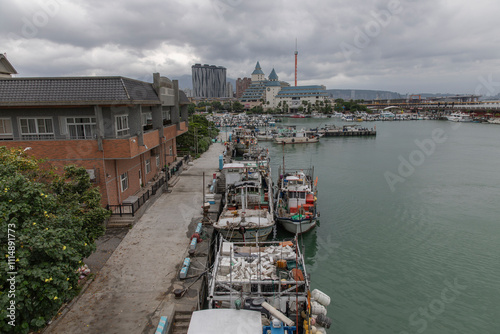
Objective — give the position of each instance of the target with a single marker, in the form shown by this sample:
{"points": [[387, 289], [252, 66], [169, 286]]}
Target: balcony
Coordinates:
{"points": [[127, 148]]}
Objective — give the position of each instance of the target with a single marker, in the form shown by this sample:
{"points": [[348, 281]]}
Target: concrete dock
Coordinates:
{"points": [[135, 286]]}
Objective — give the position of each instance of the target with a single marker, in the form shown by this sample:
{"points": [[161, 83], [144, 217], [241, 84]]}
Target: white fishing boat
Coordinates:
{"points": [[268, 135], [348, 118], [296, 200], [248, 211], [459, 117], [494, 120], [386, 116], [296, 137]]}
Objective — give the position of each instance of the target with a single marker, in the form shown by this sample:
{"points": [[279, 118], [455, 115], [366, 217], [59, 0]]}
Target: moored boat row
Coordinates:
{"points": [[251, 208], [262, 285]]}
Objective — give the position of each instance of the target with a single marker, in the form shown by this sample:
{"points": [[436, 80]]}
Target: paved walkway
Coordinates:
{"points": [[135, 285]]}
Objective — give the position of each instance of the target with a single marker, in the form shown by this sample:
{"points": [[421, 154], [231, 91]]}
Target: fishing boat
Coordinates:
{"points": [[296, 199], [268, 135], [348, 118], [459, 117], [248, 211], [243, 140], [269, 278], [494, 121], [386, 116], [296, 137]]}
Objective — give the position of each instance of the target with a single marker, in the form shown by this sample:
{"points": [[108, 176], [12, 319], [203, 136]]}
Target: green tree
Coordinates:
{"points": [[228, 106], [284, 107], [237, 106], [305, 104], [216, 105], [191, 108], [49, 223], [199, 135]]}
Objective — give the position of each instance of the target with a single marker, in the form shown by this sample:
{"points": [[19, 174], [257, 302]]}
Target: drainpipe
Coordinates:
{"points": [[118, 184]]}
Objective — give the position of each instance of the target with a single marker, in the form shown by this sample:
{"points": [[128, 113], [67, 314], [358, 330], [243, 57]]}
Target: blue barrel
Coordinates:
{"points": [[198, 228], [192, 246]]}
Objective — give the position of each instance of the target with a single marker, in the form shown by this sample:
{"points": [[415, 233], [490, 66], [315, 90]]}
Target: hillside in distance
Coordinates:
{"points": [[362, 94]]}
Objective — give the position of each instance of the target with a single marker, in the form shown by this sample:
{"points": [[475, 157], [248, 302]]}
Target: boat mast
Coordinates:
{"points": [[283, 145]]}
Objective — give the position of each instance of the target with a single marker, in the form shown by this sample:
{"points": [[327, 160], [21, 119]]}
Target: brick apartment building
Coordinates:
{"points": [[123, 131], [242, 85]]}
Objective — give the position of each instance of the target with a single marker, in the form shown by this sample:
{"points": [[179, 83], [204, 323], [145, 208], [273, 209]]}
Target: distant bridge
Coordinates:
{"points": [[434, 106]]}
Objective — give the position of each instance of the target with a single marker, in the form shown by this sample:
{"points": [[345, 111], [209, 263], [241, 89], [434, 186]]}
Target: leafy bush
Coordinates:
{"points": [[49, 223]]}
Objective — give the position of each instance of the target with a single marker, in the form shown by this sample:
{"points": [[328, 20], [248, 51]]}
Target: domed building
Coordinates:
{"points": [[268, 93]]}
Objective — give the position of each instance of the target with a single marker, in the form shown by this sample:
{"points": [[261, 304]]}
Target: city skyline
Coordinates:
{"points": [[402, 46]]}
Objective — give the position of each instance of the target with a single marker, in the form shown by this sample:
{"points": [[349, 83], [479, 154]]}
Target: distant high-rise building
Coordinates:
{"points": [[242, 85], [209, 80], [188, 92], [229, 89]]}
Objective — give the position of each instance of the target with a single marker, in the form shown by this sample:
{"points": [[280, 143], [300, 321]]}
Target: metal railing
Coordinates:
{"points": [[130, 209]]}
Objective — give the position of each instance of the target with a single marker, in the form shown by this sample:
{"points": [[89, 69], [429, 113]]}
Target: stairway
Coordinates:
{"points": [[120, 222], [181, 321]]}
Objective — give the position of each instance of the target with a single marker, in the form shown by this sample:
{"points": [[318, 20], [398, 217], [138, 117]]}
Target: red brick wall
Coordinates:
{"points": [[60, 153], [116, 156]]}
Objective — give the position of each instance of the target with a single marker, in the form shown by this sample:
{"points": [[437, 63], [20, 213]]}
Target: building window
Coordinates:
{"points": [[36, 128], [6, 129], [124, 181], [147, 121], [81, 128], [121, 125], [157, 161], [148, 166]]}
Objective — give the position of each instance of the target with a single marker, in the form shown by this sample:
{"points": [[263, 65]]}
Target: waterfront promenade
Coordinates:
{"points": [[134, 288]]}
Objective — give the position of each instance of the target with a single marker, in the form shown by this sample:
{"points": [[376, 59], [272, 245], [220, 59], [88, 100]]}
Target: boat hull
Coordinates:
{"points": [[296, 226], [296, 140]]}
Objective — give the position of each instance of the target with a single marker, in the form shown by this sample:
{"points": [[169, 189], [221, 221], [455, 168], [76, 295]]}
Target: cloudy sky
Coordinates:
{"points": [[406, 46]]}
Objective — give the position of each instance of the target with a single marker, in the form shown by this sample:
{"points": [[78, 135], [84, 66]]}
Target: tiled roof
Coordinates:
{"points": [[302, 91], [273, 75], [75, 90], [257, 70]]}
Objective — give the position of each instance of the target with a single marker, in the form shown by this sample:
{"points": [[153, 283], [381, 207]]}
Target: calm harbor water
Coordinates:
{"points": [[409, 240]]}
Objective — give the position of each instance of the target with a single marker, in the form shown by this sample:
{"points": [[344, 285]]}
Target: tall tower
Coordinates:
{"points": [[257, 74], [296, 53], [209, 80]]}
